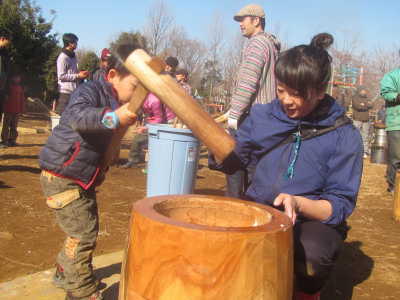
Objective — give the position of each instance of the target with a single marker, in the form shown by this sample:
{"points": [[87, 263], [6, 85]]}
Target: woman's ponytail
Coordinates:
{"points": [[322, 40]]}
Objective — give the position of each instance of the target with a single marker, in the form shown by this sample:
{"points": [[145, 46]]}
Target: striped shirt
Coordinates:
{"points": [[256, 81]]}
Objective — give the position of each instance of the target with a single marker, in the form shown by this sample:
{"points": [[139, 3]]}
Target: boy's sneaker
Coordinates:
{"points": [[3, 145], [128, 164], [12, 144], [59, 278], [304, 296], [95, 296]]}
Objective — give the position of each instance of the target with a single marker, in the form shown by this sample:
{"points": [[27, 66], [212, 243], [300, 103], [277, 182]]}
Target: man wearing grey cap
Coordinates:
{"points": [[255, 80]]}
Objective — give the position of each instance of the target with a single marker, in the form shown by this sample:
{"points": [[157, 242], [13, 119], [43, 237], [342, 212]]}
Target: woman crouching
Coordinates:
{"points": [[308, 161]]}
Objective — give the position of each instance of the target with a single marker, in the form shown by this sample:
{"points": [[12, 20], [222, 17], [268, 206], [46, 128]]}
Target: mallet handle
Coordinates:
{"points": [[185, 107], [139, 95]]}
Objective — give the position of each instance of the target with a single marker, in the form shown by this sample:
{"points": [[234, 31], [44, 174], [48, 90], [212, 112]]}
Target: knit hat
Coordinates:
{"points": [[105, 54], [253, 10], [172, 62]]}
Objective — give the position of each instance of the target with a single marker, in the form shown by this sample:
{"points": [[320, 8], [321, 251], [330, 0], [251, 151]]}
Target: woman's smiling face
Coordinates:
{"points": [[296, 106]]}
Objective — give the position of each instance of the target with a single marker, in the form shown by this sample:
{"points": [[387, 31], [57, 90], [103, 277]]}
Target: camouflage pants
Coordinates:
{"points": [[77, 215]]}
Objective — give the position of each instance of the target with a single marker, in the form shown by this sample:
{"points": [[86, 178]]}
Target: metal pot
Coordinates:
{"points": [[380, 138], [379, 155]]}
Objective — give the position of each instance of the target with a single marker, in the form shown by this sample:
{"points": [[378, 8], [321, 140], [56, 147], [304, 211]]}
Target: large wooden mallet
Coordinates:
{"points": [[156, 65], [185, 107]]}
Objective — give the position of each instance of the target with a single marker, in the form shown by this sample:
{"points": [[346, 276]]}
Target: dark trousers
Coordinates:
{"points": [[393, 138], [316, 248], [235, 184], [238, 182], [9, 132], [62, 102], [77, 215], [2, 96], [139, 142]]}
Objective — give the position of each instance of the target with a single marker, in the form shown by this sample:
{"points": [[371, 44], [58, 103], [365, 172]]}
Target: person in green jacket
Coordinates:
{"points": [[390, 91]]}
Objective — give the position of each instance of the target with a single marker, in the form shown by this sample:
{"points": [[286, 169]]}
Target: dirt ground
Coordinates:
{"points": [[369, 267]]}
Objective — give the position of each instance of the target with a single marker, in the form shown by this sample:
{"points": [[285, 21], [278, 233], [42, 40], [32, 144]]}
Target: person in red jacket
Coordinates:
{"points": [[13, 107]]}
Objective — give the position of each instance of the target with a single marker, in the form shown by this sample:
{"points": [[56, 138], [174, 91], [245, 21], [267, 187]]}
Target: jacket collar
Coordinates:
{"points": [[325, 114], [69, 53], [109, 89]]}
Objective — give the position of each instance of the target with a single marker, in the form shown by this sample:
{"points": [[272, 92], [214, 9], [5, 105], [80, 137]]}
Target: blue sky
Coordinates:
{"points": [[375, 23]]}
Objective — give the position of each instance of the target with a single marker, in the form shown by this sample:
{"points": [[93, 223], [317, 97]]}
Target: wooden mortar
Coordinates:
{"points": [[207, 247]]}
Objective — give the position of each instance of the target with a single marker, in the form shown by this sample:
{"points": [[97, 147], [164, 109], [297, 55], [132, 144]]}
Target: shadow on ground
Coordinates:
{"points": [[30, 145], [20, 168], [16, 156], [34, 116], [353, 268], [3, 185], [110, 292]]}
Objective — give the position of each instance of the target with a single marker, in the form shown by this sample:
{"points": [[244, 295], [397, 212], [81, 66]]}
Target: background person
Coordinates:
{"points": [[4, 67], [308, 162], [182, 76], [172, 63], [256, 81], [390, 91], [13, 107], [154, 113], [101, 72], [361, 106], [67, 71]]}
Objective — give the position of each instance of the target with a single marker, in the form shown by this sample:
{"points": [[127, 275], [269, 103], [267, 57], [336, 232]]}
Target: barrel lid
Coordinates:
{"points": [[154, 128], [379, 125]]}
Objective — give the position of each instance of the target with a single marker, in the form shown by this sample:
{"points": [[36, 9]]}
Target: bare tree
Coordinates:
{"points": [[215, 47], [369, 67], [157, 27], [385, 60], [216, 41], [283, 36], [230, 62], [378, 63], [345, 49], [190, 52]]}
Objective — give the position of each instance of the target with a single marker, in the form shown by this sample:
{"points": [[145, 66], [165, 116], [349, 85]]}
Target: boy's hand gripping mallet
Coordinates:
{"points": [[156, 64]]}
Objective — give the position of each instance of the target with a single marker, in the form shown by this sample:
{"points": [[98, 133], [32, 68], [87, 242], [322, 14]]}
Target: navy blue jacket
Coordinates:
{"points": [[76, 146], [328, 166]]}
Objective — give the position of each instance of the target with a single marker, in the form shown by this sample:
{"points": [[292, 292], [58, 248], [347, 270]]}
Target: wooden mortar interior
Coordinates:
{"points": [[211, 212]]}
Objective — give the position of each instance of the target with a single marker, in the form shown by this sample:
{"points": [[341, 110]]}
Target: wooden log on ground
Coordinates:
{"points": [[207, 247], [185, 107], [396, 198]]}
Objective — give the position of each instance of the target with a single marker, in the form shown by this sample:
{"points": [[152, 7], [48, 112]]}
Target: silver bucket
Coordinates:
{"points": [[379, 155], [380, 138]]}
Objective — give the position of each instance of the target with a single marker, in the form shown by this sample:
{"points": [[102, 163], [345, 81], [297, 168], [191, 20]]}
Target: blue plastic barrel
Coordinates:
{"points": [[173, 158]]}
